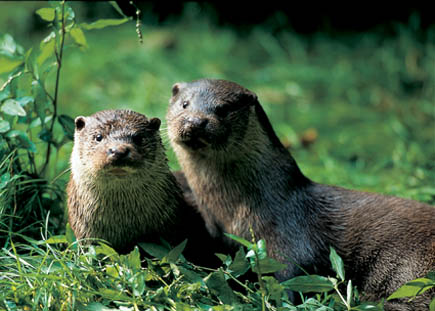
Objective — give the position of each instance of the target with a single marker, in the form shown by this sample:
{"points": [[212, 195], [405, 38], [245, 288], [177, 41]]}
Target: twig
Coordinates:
{"points": [[56, 89]]}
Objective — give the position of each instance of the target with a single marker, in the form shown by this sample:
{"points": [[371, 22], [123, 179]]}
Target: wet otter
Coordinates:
{"points": [[242, 176], [121, 189]]}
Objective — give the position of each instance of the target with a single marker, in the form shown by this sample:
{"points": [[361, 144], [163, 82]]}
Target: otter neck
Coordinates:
{"points": [[253, 179], [120, 209]]}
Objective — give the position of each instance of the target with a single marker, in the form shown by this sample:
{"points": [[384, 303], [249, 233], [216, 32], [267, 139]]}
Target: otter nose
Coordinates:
{"points": [[196, 122], [118, 152]]}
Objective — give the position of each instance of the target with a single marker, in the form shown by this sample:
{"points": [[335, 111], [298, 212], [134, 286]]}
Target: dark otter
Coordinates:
{"points": [[242, 176], [121, 189]]}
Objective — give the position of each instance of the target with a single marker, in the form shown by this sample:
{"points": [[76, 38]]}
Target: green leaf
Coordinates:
{"points": [[133, 259], [96, 306], [138, 284], [219, 287], [412, 288], [23, 101], [274, 289], [4, 180], [7, 63], [69, 234], [23, 140], [337, 263], [268, 265], [9, 47], [190, 275], [175, 253], [55, 239], [432, 305], [261, 249], [12, 107], [105, 250], [45, 135], [368, 306], [79, 37], [240, 265], [4, 126], [240, 240], [46, 14], [102, 23], [154, 250], [309, 284], [67, 124], [47, 49]]}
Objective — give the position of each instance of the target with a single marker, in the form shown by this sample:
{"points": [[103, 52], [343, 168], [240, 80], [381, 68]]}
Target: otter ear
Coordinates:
{"points": [[154, 124], [248, 98], [80, 123], [176, 88]]}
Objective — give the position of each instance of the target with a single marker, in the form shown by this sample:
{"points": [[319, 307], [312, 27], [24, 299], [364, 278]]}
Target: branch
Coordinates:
{"points": [[56, 90]]}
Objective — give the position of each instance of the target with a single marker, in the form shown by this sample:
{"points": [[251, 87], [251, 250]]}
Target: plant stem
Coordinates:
{"points": [[56, 89]]}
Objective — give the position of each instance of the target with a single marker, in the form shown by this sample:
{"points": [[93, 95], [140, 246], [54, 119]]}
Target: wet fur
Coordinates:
{"points": [[251, 180]]}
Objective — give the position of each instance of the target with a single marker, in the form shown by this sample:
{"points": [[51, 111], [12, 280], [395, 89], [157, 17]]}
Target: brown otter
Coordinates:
{"points": [[121, 189], [242, 176]]}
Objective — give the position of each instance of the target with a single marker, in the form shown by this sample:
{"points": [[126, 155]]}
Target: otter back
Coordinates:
{"points": [[242, 177]]}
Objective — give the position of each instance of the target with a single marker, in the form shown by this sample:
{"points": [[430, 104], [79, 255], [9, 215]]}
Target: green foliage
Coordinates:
{"points": [[416, 287], [29, 122], [356, 112]]}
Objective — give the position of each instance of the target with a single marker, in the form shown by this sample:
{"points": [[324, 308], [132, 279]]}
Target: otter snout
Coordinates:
{"points": [[119, 155], [195, 123], [118, 152], [194, 131]]}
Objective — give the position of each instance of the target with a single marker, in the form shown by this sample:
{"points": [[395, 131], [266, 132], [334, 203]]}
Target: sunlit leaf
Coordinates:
{"points": [[46, 14], [4, 126], [12, 107], [7, 63], [78, 36], [102, 23], [337, 263], [47, 49], [412, 288]]}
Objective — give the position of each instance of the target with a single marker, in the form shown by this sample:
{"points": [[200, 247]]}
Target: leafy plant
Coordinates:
{"points": [[29, 102]]}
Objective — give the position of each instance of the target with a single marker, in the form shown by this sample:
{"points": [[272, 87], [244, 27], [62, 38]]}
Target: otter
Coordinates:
{"points": [[242, 177], [121, 189]]}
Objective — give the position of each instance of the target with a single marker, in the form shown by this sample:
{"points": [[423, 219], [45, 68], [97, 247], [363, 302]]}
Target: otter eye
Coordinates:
{"points": [[99, 137], [184, 104]]}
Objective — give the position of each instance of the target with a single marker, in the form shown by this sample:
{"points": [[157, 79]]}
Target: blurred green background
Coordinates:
{"points": [[356, 108]]}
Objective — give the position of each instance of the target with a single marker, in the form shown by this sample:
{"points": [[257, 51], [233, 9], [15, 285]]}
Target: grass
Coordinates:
{"points": [[356, 111]]}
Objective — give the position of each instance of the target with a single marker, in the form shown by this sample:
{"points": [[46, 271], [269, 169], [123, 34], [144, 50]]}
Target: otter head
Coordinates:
{"points": [[114, 144], [209, 115]]}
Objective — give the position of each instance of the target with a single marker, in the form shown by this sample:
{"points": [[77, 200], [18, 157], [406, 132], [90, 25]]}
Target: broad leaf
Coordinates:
{"points": [[79, 37], [268, 265], [46, 14], [337, 263], [68, 125], [309, 284], [13, 108], [412, 288], [7, 63], [4, 126], [175, 253], [240, 240]]}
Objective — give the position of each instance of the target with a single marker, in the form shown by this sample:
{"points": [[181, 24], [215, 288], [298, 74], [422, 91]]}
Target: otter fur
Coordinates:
{"points": [[121, 189], [242, 177]]}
